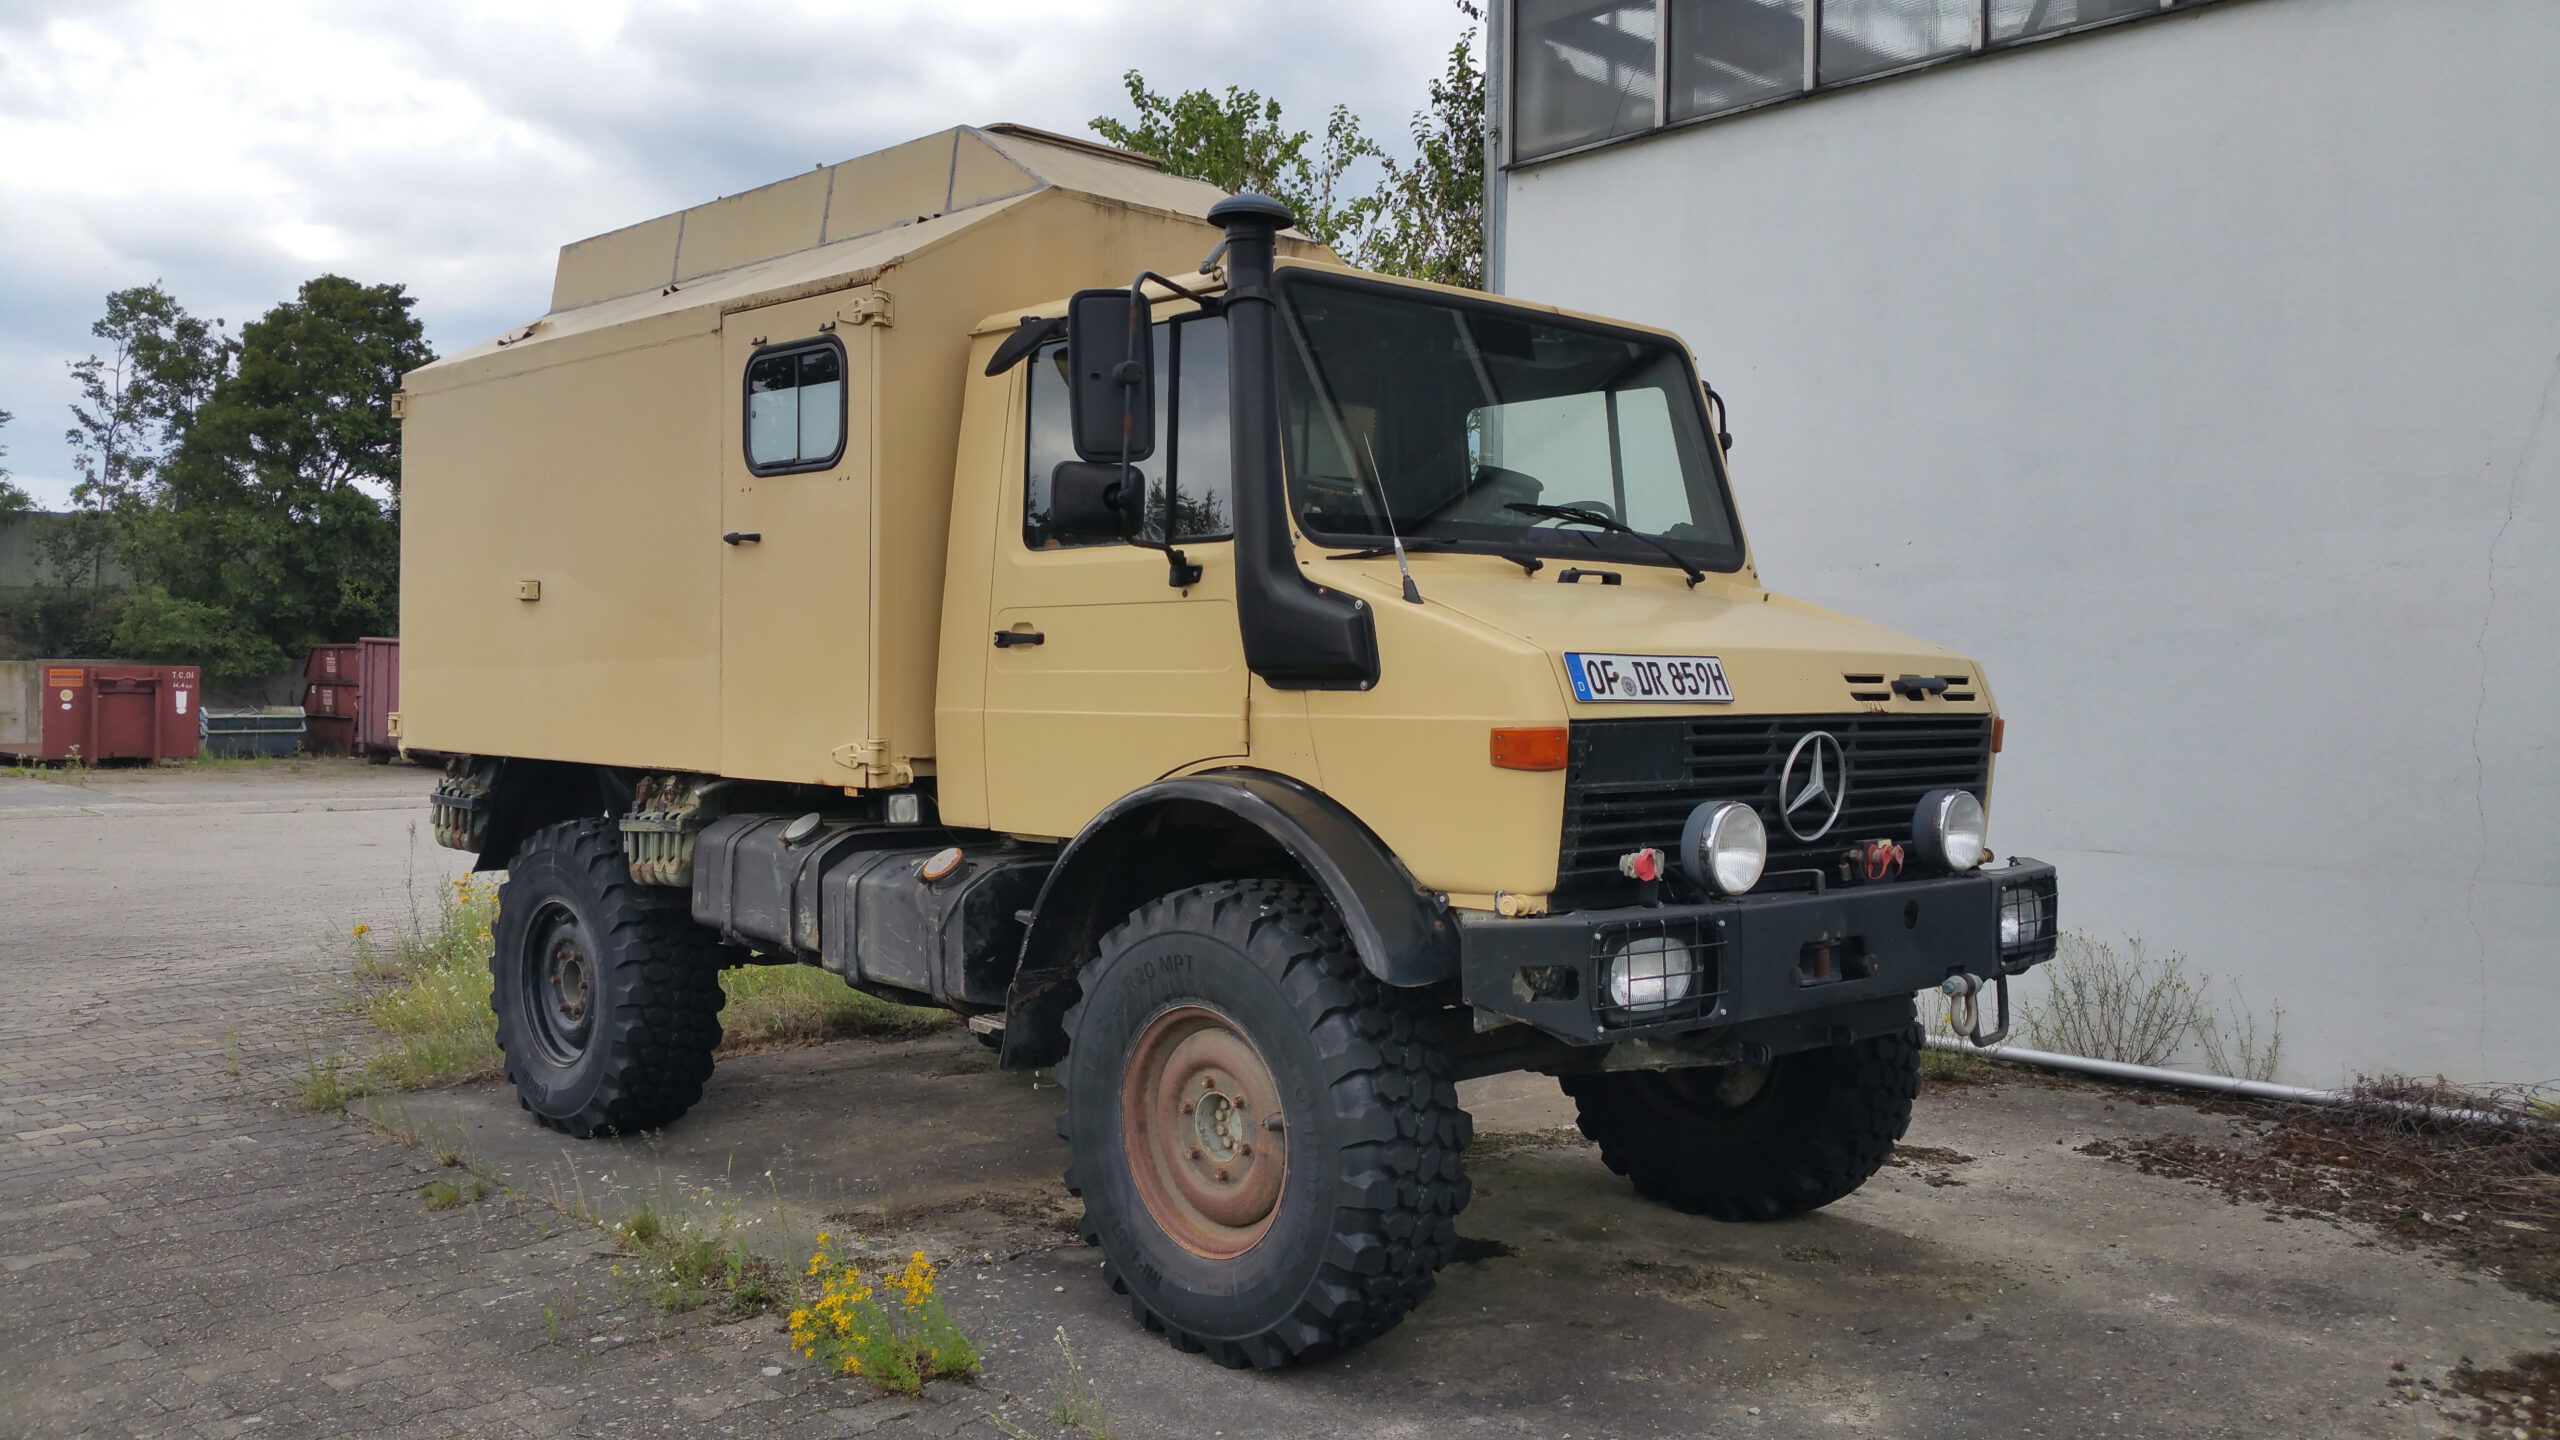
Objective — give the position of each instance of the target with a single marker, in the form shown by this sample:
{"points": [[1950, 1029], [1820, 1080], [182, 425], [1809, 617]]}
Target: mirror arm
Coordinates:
{"points": [[1179, 572]]}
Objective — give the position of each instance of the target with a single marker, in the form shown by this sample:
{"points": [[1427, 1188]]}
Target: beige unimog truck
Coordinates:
{"points": [[1020, 581]]}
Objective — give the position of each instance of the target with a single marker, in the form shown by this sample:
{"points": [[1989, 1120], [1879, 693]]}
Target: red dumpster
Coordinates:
{"points": [[332, 699], [97, 710], [377, 698]]}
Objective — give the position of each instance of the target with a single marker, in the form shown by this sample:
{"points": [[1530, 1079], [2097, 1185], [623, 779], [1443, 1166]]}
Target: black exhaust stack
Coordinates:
{"points": [[1298, 635]]}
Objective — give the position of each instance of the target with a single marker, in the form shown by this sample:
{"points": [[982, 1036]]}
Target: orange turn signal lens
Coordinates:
{"points": [[1527, 748], [1998, 726]]}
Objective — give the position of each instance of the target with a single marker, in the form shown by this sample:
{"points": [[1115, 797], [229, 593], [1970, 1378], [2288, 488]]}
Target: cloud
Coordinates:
{"points": [[232, 149]]}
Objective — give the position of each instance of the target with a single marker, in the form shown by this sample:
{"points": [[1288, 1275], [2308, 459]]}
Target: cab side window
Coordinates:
{"points": [[1191, 436], [795, 408]]}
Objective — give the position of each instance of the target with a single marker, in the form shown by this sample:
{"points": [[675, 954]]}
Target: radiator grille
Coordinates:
{"points": [[1631, 783]]}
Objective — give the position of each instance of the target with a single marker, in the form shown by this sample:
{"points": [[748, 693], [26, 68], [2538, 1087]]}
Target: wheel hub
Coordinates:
{"points": [[1203, 1132], [560, 985]]}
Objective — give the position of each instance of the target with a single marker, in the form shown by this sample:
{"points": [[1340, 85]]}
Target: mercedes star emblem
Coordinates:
{"points": [[1813, 786]]}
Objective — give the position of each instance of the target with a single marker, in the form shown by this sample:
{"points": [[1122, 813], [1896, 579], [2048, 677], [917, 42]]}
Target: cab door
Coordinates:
{"points": [[796, 542], [1102, 676]]}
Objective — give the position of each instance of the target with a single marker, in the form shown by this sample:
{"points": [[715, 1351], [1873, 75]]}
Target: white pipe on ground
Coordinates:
{"points": [[2222, 1084]]}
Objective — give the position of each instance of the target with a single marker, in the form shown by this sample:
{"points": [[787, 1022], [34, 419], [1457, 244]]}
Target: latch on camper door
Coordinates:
{"points": [[869, 307]]}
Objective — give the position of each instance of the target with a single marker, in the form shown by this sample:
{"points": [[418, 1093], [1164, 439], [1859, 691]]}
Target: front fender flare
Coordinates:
{"points": [[1402, 933]]}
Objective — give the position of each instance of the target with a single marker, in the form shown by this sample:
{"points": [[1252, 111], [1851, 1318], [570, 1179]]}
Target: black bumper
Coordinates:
{"points": [[1761, 958]]}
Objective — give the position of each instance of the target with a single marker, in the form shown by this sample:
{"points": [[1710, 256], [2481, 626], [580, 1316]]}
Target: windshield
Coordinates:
{"points": [[1434, 418]]}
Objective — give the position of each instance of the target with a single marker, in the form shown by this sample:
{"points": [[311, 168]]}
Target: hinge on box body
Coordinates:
{"points": [[871, 758], [399, 404], [870, 307]]}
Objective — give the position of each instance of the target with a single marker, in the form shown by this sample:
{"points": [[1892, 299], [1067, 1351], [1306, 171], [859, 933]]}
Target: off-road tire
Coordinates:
{"points": [[655, 986], [1373, 1181], [1822, 1124]]}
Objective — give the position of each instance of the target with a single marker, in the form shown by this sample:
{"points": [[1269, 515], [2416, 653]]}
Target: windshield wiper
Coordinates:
{"points": [[1577, 515], [1529, 564]]}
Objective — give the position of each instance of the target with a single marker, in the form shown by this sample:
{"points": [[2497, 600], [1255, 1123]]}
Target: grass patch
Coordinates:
{"points": [[424, 987], [324, 1084], [677, 1268], [453, 1195], [771, 1007]]}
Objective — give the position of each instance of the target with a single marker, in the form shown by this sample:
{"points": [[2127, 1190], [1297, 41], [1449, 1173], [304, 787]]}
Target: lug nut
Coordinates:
{"points": [[1192, 1154], [1222, 1172]]}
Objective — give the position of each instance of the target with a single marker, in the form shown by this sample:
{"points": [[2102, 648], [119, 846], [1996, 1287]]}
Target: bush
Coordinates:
{"points": [[159, 627]]}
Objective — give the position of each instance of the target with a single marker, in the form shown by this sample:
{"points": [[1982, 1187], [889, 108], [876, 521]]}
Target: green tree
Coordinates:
{"points": [[1424, 219], [13, 501], [279, 503], [139, 398], [1236, 141], [1431, 208]]}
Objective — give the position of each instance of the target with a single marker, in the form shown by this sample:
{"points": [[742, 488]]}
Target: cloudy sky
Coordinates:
{"points": [[233, 148]]}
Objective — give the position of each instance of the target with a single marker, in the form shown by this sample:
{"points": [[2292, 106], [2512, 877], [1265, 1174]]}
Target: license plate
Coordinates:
{"points": [[1647, 679]]}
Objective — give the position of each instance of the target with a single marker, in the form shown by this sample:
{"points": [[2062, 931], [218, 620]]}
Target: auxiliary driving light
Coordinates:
{"points": [[1947, 829], [1651, 972], [1724, 847]]}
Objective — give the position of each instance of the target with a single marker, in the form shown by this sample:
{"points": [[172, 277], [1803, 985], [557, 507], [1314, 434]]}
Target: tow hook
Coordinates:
{"points": [[1964, 1007]]}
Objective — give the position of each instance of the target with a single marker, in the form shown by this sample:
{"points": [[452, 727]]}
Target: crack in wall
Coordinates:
{"points": [[2480, 706]]}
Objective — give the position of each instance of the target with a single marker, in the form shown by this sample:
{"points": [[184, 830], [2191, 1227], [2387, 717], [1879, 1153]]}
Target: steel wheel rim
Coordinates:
{"points": [[560, 983], [1202, 1131]]}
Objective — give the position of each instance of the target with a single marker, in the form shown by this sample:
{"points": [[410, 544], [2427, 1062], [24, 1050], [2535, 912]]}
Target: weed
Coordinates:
{"points": [[2124, 1004], [449, 1195], [896, 1334], [2111, 1004], [1078, 1405], [231, 1049], [680, 1270], [551, 1322], [2233, 1047], [324, 1084]]}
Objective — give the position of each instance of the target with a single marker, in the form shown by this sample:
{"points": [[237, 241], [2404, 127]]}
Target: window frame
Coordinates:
{"points": [[747, 400], [1594, 544], [1984, 43], [1168, 402]]}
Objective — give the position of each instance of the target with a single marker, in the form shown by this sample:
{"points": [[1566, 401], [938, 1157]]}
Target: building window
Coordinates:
{"points": [[2018, 19], [795, 408], [1730, 53], [1584, 72], [1191, 436], [1868, 37]]}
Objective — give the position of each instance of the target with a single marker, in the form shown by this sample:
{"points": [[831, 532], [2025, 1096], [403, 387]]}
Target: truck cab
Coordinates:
{"points": [[1264, 691]]}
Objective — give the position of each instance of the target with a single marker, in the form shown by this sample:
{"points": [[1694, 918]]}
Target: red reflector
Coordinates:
{"points": [[1997, 725], [1523, 748]]}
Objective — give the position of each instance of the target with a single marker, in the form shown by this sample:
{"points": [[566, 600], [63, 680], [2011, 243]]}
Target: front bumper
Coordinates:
{"points": [[1761, 958]]}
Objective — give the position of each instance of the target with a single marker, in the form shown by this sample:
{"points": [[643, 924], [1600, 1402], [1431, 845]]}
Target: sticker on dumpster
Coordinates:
{"points": [[66, 699], [63, 677], [182, 702]]}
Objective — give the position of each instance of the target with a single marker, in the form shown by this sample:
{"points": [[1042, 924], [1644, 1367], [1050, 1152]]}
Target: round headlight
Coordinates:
{"points": [[1947, 829], [1724, 846], [1652, 972]]}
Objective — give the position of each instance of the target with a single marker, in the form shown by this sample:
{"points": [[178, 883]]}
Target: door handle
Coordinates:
{"points": [[1007, 639], [742, 537]]}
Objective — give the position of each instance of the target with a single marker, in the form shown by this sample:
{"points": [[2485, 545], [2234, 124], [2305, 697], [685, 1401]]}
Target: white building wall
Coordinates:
{"points": [[2199, 377]]}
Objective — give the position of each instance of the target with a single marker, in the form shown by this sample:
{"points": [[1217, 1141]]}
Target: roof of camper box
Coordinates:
{"points": [[816, 229]]}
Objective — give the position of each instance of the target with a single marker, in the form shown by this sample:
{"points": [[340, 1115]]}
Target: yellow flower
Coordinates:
{"points": [[361, 931]]}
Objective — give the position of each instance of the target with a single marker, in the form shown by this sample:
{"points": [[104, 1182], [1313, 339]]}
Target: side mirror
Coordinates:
{"points": [[1111, 363], [1086, 499]]}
